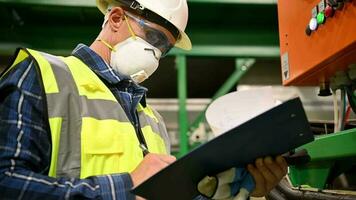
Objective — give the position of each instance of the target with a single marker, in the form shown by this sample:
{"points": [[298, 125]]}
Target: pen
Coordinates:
{"points": [[144, 149]]}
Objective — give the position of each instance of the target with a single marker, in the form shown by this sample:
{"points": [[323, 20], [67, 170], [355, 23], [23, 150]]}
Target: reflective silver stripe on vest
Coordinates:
{"points": [[105, 106], [163, 131], [159, 128], [65, 104]]}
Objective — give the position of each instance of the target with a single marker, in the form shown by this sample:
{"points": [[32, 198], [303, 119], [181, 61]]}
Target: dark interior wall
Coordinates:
{"points": [[206, 75], [4, 62]]}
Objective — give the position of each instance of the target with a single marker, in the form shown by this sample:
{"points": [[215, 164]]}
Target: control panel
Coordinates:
{"points": [[317, 39]]}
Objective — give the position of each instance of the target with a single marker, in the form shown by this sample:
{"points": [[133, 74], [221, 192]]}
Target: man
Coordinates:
{"points": [[78, 127]]}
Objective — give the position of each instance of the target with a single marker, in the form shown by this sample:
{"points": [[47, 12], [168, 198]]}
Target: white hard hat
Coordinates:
{"points": [[173, 12]]}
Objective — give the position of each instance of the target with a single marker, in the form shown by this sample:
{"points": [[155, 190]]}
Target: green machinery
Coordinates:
{"points": [[330, 154]]}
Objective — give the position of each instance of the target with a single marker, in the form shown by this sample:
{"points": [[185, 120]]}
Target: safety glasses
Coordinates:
{"points": [[152, 33]]}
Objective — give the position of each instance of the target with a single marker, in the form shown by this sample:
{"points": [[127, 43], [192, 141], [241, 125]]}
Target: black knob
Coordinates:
{"points": [[324, 90], [308, 31]]}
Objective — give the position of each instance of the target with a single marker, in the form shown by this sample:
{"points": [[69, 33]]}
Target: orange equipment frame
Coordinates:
{"points": [[312, 60]]}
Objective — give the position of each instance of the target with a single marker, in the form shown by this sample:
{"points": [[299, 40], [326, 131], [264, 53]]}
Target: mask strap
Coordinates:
{"points": [[130, 29], [107, 44]]}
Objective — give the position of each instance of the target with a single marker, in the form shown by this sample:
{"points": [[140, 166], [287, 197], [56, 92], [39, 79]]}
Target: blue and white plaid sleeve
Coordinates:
{"points": [[25, 147]]}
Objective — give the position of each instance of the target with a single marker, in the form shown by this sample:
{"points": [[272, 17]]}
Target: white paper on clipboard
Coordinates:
{"points": [[238, 107]]}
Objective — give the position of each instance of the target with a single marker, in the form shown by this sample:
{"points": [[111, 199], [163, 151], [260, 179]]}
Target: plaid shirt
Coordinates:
{"points": [[25, 138]]}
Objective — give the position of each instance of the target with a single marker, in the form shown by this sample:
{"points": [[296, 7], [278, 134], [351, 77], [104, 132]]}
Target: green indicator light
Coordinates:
{"points": [[320, 18]]}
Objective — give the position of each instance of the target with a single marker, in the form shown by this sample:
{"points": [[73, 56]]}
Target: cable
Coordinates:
{"points": [[336, 114], [347, 115], [341, 110], [351, 98], [292, 193], [275, 195]]}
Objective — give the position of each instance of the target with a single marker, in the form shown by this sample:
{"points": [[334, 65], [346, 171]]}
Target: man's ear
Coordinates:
{"points": [[116, 18]]}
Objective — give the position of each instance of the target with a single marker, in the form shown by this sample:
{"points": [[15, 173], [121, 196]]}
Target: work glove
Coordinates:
{"points": [[232, 184]]}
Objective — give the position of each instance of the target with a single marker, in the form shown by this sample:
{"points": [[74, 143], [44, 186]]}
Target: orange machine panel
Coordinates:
{"points": [[311, 60]]}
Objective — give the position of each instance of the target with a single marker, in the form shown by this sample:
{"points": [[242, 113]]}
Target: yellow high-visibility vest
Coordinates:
{"points": [[91, 134]]}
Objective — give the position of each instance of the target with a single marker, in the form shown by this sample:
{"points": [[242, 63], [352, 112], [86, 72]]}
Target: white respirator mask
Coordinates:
{"points": [[134, 57]]}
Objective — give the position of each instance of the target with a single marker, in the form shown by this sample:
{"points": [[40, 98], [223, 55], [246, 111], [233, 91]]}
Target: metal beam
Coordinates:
{"points": [[69, 3], [235, 1], [231, 51], [181, 64], [91, 3]]}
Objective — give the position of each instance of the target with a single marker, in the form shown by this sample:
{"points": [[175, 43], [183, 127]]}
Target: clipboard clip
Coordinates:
{"points": [[300, 157]]}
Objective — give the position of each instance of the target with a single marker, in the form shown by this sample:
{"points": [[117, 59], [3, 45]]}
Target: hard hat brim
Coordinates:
{"points": [[184, 42], [102, 5]]}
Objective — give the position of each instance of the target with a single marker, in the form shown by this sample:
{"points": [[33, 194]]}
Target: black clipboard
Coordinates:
{"points": [[274, 132]]}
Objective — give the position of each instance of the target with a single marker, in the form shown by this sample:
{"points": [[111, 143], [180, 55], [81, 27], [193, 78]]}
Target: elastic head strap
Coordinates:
{"points": [[106, 44], [130, 28]]}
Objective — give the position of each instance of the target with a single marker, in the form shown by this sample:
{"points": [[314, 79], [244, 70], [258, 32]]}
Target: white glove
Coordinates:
{"points": [[232, 184]]}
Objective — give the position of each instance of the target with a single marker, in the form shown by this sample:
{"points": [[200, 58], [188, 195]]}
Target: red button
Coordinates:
{"points": [[329, 11]]}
